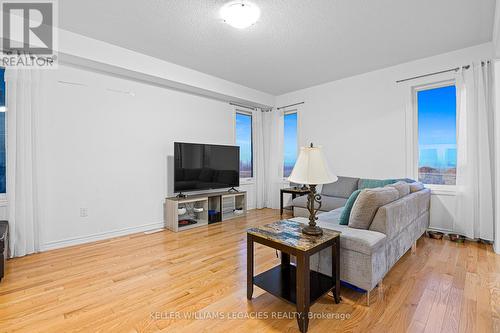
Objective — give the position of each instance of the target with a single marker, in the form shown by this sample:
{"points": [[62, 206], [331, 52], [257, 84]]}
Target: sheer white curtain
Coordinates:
{"points": [[23, 102], [259, 164], [475, 144], [273, 156]]}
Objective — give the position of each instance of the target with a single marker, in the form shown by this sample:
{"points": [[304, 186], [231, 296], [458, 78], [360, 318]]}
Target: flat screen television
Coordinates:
{"points": [[203, 167]]}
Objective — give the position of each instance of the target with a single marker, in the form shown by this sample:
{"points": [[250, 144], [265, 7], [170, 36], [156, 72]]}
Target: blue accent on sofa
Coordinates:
{"points": [[351, 286]]}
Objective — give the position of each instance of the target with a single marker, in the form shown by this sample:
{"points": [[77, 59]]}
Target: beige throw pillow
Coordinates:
{"points": [[402, 187], [415, 187], [368, 202]]}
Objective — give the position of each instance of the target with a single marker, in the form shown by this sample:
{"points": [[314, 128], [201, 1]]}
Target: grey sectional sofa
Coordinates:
{"points": [[367, 255], [333, 196]]}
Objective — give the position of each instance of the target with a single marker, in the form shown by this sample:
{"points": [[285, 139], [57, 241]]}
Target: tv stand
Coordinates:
{"points": [[181, 195], [194, 208], [232, 189]]}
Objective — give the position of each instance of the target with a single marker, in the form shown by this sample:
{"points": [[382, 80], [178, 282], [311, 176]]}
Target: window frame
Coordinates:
{"points": [[246, 180], [414, 159]]}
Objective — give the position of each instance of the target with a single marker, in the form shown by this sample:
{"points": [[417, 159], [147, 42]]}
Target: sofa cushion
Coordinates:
{"points": [[367, 204], [358, 240], [416, 186], [373, 183], [402, 187], [344, 217], [327, 203], [342, 188]]}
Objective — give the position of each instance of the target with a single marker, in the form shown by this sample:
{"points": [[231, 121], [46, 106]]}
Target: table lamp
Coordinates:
{"points": [[312, 169]]}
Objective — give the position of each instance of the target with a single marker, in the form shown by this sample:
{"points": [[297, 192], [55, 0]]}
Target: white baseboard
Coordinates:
{"points": [[52, 245], [446, 231]]}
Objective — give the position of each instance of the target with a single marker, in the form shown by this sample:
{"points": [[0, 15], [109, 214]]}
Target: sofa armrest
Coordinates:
{"points": [[392, 218]]}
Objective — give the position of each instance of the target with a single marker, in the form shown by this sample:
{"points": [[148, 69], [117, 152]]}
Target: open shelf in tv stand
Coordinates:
{"points": [[225, 202]]}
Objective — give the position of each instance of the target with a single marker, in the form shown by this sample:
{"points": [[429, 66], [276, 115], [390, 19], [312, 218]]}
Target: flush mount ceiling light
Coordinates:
{"points": [[240, 14]]}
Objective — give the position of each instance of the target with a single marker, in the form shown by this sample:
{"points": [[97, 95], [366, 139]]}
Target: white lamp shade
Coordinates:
{"points": [[311, 168]]}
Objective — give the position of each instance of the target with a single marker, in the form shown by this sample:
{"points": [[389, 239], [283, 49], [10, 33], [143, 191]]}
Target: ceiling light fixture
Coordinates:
{"points": [[240, 14]]}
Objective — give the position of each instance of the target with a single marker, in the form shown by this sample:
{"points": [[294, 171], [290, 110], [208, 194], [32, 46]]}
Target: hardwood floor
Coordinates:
{"points": [[136, 283]]}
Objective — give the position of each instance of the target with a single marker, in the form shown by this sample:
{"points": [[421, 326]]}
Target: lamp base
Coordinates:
{"points": [[312, 230]]}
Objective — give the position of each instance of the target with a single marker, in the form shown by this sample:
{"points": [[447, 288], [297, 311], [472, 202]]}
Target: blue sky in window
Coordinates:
{"points": [[290, 142], [437, 127], [244, 140]]}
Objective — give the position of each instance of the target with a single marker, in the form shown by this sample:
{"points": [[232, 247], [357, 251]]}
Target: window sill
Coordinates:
{"points": [[442, 189], [246, 181]]}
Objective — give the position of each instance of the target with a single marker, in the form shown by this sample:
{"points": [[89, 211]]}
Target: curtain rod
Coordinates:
{"points": [[287, 106], [266, 109], [434, 73], [243, 106]]}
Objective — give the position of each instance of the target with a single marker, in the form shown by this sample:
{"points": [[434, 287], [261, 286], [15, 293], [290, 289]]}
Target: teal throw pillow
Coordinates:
{"points": [[372, 183], [344, 216]]}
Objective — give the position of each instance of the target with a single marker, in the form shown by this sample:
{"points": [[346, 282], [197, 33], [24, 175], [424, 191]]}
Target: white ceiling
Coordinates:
{"points": [[294, 45]]}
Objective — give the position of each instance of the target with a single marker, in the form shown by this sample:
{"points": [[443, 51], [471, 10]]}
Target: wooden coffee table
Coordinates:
{"points": [[295, 284]]}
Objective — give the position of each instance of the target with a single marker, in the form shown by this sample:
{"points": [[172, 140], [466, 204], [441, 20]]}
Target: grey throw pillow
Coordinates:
{"points": [[367, 204], [415, 187], [402, 187], [342, 188]]}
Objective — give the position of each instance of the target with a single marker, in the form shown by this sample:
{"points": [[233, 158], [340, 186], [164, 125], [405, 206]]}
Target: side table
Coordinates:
{"points": [[295, 192], [295, 284]]}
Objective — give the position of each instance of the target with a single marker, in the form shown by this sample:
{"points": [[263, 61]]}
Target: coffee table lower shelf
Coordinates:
{"points": [[281, 282]]}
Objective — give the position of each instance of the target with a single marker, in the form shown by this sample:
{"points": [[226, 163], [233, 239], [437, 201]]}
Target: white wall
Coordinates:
{"points": [[80, 49], [360, 121], [107, 151]]}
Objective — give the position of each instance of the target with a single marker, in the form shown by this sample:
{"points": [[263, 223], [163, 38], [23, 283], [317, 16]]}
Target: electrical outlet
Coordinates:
{"points": [[84, 212]]}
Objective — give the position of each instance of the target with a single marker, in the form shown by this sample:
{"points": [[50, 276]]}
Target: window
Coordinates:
{"points": [[437, 135], [290, 142], [2, 132], [244, 140]]}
